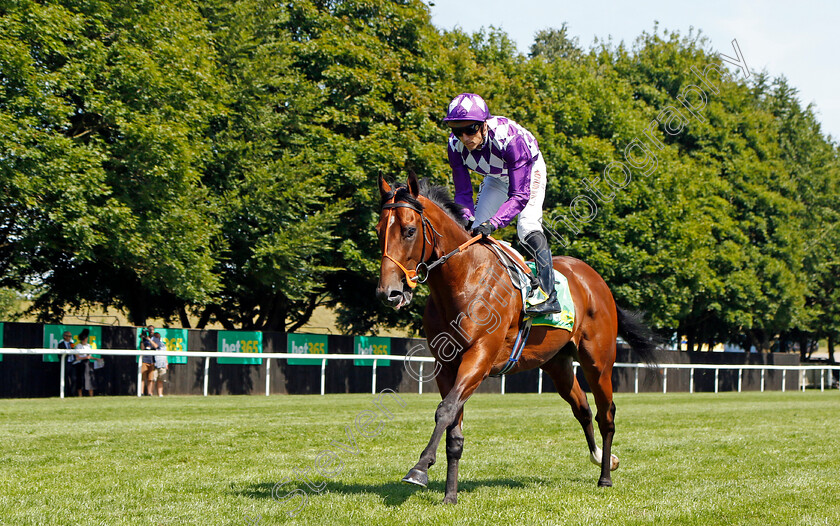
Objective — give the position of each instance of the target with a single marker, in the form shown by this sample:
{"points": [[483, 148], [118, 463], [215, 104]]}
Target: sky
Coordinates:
{"points": [[798, 40]]}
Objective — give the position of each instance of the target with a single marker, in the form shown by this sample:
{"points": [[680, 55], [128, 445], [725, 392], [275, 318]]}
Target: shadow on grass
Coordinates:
{"points": [[391, 493]]}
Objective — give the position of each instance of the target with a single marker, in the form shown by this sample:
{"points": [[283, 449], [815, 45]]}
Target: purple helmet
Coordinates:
{"points": [[467, 107]]}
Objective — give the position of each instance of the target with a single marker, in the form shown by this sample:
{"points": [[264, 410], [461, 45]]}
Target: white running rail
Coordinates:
{"points": [[664, 368]]}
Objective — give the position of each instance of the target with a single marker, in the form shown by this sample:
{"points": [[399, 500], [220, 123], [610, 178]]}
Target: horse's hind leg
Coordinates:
{"points": [[562, 374], [600, 382]]}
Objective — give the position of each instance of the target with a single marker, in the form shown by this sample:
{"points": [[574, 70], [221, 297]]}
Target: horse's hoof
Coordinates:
{"points": [[415, 476], [595, 458], [604, 483], [450, 500]]}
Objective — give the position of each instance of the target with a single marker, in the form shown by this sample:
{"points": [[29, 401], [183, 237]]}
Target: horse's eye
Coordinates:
{"points": [[409, 232]]}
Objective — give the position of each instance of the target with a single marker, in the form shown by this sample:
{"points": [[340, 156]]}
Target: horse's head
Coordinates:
{"points": [[404, 239]]}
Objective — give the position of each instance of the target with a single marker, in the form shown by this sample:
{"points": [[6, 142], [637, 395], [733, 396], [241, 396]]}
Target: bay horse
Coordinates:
{"points": [[419, 231]]}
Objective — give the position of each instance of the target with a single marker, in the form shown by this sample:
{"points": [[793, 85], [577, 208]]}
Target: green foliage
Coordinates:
{"points": [[103, 111], [9, 304]]}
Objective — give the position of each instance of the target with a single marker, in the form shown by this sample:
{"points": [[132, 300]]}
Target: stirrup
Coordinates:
{"points": [[549, 306]]}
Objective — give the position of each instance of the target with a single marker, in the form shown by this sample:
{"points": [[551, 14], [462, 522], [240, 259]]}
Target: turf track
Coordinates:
{"points": [[704, 459]]}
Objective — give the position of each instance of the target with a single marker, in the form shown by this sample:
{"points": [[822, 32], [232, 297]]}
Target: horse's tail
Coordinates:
{"points": [[640, 337]]}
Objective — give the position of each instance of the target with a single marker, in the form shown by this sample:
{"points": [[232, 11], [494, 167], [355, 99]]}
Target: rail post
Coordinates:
{"points": [[717, 375], [140, 377], [664, 380], [63, 358], [206, 373], [373, 379], [784, 376], [740, 376], [539, 386], [420, 382], [267, 374], [323, 376], [691, 380], [636, 381]]}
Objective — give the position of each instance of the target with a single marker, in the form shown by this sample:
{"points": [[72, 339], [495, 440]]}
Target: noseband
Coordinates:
{"points": [[421, 273]]}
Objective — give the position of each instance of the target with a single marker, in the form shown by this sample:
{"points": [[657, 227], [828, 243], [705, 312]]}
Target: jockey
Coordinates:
{"points": [[509, 158]]}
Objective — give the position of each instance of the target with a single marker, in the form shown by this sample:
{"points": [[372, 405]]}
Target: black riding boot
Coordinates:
{"points": [[539, 248]]}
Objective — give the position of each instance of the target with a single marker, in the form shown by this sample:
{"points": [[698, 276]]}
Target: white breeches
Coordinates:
{"points": [[493, 192]]}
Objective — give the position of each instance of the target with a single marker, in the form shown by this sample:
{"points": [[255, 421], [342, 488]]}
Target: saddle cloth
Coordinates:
{"points": [[565, 319]]}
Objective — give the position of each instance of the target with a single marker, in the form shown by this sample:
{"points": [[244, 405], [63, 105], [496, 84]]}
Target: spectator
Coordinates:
{"points": [[147, 369], [82, 364], [67, 343], [161, 364]]}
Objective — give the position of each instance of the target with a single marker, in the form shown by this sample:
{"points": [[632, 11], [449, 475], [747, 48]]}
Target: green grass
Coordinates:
{"points": [[751, 458]]}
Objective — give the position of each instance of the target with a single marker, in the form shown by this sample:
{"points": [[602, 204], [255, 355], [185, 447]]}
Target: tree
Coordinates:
{"points": [[101, 113]]}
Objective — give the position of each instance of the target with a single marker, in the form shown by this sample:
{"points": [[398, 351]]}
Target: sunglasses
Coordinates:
{"points": [[470, 129]]}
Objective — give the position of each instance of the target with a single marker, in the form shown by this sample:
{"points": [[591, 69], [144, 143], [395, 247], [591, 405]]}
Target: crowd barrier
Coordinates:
{"points": [[802, 370]]}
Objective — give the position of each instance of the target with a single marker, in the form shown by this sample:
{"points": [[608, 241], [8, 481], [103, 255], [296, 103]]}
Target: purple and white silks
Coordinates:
{"points": [[509, 151]]}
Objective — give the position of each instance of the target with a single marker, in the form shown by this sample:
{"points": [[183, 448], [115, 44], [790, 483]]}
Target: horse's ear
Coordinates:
{"points": [[413, 184], [384, 187]]}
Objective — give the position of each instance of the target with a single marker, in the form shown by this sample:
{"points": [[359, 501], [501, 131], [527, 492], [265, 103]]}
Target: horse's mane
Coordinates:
{"points": [[437, 194]]}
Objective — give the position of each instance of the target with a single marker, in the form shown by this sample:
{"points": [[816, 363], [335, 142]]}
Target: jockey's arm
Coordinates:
{"points": [[519, 164], [463, 184]]}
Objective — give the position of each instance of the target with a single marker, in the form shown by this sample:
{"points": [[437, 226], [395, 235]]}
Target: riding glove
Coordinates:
{"points": [[484, 229]]}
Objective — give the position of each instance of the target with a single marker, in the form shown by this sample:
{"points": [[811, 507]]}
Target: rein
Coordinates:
{"points": [[421, 272]]}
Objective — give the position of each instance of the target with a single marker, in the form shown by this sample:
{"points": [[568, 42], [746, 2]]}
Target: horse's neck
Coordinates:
{"points": [[450, 282], [451, 234]]}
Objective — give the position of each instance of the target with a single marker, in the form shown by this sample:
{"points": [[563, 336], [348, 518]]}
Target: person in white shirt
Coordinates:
{"points": [[83, 364]]}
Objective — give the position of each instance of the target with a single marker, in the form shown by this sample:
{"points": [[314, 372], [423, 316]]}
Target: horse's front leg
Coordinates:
{"points": [[445, 417], [472, 371], [454, 449]]}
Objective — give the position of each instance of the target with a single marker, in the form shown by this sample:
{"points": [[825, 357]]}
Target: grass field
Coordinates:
{"points": [[704, 459]]}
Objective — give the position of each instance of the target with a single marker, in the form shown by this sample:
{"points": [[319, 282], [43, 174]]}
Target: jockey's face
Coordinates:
{"points": [[471, 133]]}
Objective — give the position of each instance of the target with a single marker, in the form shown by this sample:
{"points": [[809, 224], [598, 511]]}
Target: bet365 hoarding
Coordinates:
{"points": [[245, 342], [374, 345], [306, 344]]}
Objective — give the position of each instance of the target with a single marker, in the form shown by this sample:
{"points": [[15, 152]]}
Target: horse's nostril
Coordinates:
{"points": [[389, 296]]}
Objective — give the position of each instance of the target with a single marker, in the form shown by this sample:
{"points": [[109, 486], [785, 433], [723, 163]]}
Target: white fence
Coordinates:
{"points": [[692, 367]]}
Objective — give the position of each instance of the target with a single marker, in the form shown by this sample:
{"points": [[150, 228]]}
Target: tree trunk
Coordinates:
{"points": [[204, 319], [185, 320], [803, 347], [831, 349]]}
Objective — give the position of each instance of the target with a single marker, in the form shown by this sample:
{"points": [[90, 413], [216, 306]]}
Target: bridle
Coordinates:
{"points": [[421, 272]]}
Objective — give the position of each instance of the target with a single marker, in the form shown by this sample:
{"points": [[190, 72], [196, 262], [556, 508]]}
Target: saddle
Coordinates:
{"points": [[528, 287]]}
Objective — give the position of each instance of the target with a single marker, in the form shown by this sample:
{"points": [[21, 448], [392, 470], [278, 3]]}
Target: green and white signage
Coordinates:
{"points": [[306, 344], [53, 335], [242, 342], [372, 345], [174, 339]]}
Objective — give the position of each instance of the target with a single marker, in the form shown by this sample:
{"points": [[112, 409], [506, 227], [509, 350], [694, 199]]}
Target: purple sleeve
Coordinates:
{"points": [[519, 164], [463, 184]]}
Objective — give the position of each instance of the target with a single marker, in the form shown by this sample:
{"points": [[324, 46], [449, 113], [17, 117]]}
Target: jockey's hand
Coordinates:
{"points": [[484, 229]]}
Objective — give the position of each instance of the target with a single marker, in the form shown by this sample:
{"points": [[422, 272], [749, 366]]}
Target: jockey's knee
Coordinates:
{"points": [[522, 232]]}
